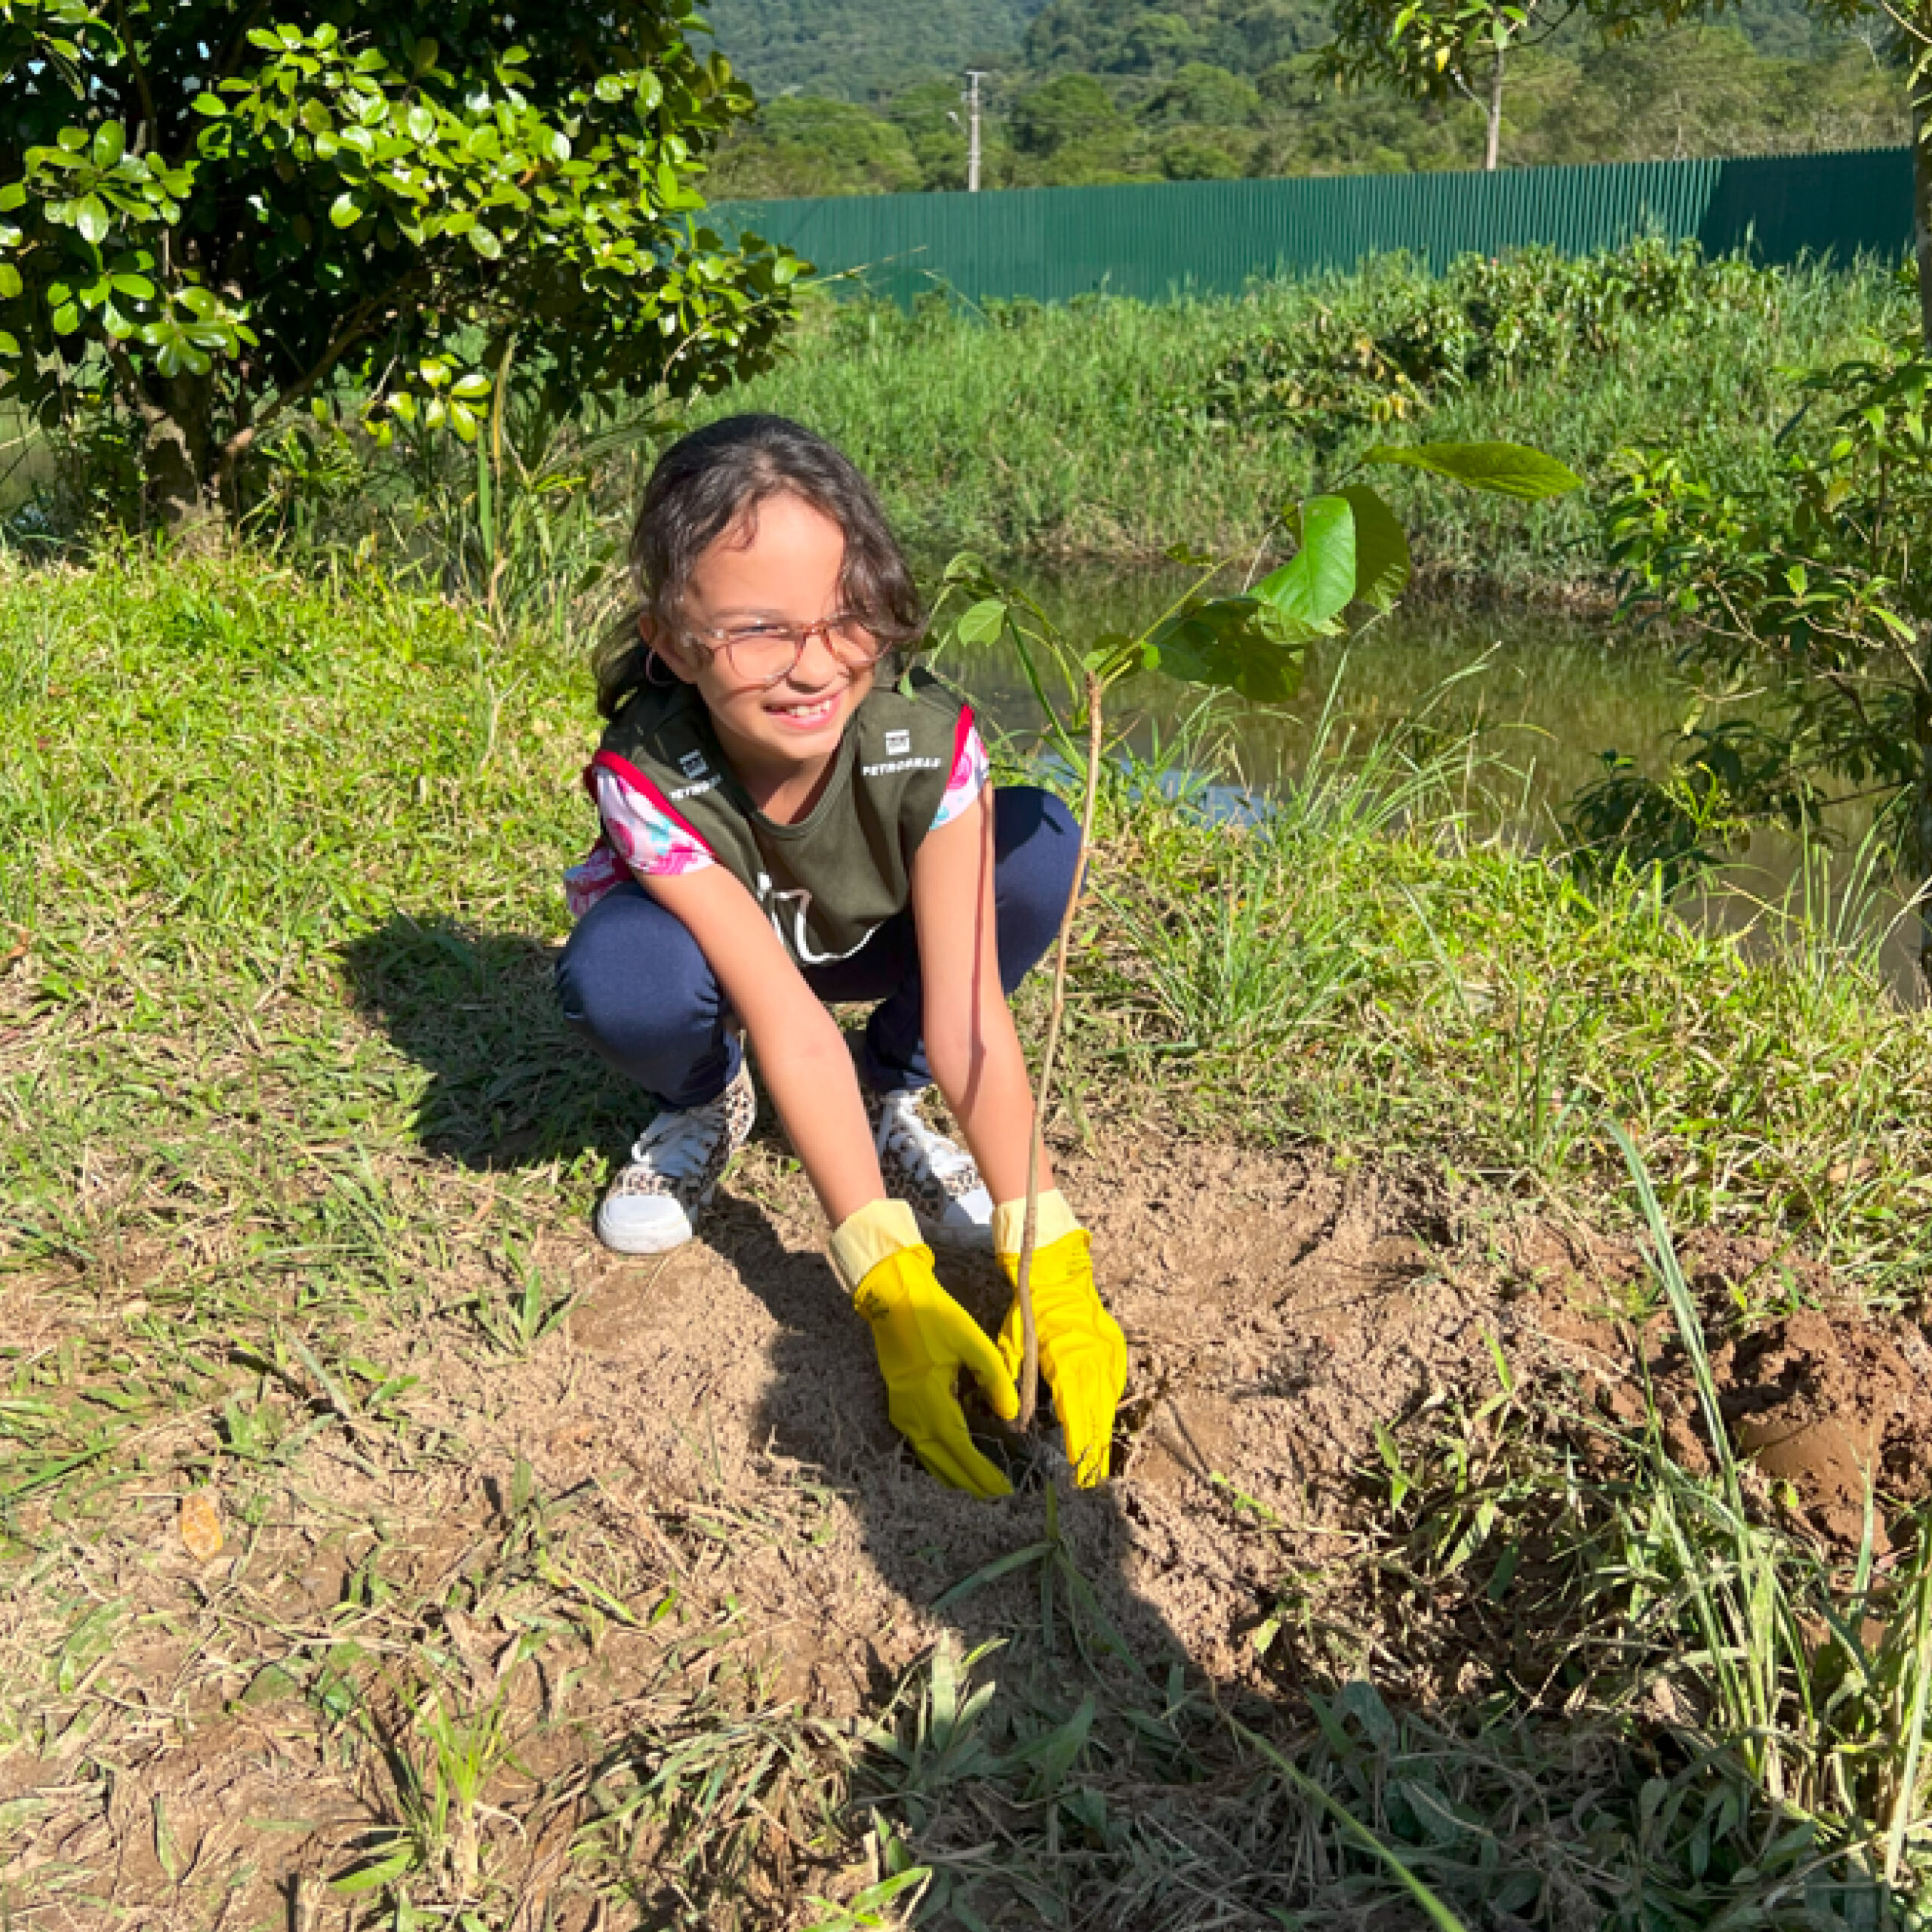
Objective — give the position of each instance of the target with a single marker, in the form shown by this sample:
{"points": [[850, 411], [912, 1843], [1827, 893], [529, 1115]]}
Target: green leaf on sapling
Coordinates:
{"points": [[1507, 469], [90, 218], [110, 143], [982, 622], [1236, 643], [1381, 549], [1318, 581], [345, 211]]}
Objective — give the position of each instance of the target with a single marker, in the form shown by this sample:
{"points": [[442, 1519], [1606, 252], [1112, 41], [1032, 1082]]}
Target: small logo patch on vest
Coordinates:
{"points": [[692, 765], [898, 743]]}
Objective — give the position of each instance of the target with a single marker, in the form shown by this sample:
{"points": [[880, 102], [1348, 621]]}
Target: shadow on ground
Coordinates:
{"points": [[509, 1086]]}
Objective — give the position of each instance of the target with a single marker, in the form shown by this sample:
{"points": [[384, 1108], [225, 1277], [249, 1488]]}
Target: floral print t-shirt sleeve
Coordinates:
{"points": [[642, 838], [969, 773]]}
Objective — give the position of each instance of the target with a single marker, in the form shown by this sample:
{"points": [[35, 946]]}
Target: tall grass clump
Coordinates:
{"points": [[1736, 1711], [1107, 425], [1358, 968]]}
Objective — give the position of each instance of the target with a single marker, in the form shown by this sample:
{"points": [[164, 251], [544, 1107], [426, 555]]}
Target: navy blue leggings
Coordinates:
{"points": [[633, 982]]}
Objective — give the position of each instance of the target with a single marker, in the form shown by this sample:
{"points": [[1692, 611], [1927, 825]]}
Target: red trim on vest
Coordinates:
{"points": [[959, 732], [630, 773]]}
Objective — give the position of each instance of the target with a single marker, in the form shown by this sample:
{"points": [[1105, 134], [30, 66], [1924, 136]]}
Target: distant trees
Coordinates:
{"points": [[806, 145], [1136, 90]]}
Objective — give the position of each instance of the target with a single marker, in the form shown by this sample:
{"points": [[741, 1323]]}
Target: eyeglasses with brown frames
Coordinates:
{"points": [[764, 652]]}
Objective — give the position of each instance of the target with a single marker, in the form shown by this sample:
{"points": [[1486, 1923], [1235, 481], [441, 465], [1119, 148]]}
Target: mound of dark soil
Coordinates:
{"points": [[1825, 1402]]}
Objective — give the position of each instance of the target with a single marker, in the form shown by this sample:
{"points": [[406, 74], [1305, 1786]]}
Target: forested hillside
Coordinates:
{"points": [[865, 49], [863, 96]]}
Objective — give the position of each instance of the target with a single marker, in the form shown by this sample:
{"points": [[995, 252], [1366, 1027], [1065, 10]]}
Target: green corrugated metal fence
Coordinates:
{"points": [[1157, 240]]}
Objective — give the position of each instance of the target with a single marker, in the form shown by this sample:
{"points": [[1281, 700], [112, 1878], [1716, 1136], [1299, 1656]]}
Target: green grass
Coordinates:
{"points": [[1361, 970], [290, 1124], [1071, 430]]}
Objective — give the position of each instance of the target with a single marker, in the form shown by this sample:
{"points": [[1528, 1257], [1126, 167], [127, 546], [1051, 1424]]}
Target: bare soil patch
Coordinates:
{"points": [[713, 1423], [1277, 1313]]}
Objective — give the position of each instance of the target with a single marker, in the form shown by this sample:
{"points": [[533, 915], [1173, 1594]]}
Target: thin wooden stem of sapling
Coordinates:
{"points": [[1029, 1370]]}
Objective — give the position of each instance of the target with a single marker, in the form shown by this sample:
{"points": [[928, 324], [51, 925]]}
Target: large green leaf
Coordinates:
{"points": [[1381, 549], [1235, 643], [1319, 580], [982, 622], [1508, 469]]}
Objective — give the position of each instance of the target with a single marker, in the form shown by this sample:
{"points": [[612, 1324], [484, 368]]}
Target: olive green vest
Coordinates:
{"points": [[829, 882]]}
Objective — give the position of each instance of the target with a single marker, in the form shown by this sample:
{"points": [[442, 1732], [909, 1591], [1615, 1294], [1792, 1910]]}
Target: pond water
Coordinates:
{"points": [[1545, 694]]}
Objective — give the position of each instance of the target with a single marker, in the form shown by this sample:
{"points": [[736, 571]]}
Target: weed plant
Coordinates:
{"points": [[285, 1108]]}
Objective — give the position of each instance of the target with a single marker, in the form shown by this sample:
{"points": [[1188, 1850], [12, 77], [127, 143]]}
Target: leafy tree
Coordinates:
{"points": [[806, 145], [1074, 110], [1308, 129], [1438, 47], [1699, 89], [213, 213], [1208, 96], [1815, 594]]}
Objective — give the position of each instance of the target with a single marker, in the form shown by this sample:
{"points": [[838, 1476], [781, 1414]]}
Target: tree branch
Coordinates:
{"points": [[231, 53], [149, 413], [356, 328], [150, 119], [354, 331]]}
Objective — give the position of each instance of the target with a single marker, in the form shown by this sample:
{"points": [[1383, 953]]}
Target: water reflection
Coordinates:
{"points": [[1542, 693]]}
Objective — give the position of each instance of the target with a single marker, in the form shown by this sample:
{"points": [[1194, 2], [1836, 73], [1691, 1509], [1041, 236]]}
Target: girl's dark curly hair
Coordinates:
{"points": [[704, 485]]}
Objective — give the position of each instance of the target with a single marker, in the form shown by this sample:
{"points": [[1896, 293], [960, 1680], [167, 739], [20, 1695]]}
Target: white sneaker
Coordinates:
{"points": [[924, 1168], [674, 1170]]}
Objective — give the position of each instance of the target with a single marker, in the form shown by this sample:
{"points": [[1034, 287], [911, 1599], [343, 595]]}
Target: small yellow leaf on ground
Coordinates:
{"points": [[200, 1525]]}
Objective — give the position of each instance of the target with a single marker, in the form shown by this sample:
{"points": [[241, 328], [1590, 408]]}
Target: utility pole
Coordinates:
{"points": [[974, 75]]}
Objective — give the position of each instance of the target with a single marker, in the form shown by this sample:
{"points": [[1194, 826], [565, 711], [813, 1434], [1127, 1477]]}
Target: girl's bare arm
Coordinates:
{"points": [[802, 1055], [970, 1042]]}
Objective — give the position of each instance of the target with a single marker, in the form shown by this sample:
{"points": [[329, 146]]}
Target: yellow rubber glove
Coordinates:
{"points": [[924, 1338], [1083, 1353]]}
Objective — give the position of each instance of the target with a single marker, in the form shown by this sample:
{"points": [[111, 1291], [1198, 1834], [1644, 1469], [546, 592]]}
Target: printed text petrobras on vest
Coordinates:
{"points": [[901, 764]]}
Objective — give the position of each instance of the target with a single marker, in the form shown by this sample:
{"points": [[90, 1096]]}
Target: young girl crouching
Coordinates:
{"points": [[784, 824]]}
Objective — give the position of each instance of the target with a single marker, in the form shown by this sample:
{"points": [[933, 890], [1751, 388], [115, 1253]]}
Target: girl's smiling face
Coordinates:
{"points": [[780, 564]]}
